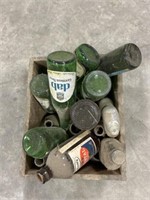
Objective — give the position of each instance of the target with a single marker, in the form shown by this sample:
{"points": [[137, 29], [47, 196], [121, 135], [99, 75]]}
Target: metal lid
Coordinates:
{"points": [[85, 114]]}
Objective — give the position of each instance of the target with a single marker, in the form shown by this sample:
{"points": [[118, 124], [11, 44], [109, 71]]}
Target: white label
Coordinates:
{"points": [[74, 141], [44, 102], [82, 153], [61, 84]]}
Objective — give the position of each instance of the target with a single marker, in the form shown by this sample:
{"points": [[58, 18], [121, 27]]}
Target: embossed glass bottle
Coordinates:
{"points": [[62, 78]]}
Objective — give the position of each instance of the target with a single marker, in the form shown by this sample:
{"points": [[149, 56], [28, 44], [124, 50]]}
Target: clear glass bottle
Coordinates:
{"points": [[39, 87], [96, 85], [63, 162], [110, 117], [38, 142], [122, 59], [112, 153], [61, 67]]}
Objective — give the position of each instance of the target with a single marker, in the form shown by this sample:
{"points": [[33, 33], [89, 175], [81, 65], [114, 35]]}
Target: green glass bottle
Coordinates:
{"points": [[95, 85], [62, 78], [88, 57], [38, 142], [39, 87], [122, 59]]}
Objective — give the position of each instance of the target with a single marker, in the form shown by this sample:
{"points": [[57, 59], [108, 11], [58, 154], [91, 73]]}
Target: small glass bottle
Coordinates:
{"points": [[38, 142], [62, 78], [112, 153], [122, 59], [39, 87], [96, 85], [110, 116], [63, 162], [88, 57]]}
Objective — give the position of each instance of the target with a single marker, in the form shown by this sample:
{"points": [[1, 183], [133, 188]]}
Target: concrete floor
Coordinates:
{"points": [[35, 28]]}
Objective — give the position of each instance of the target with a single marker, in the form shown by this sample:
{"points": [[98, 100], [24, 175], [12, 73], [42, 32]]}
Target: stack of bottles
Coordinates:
{"points": [[81, 121]]}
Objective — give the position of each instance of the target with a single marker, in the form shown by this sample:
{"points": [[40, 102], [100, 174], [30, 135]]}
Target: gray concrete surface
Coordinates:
{"points": [[34, 28]]}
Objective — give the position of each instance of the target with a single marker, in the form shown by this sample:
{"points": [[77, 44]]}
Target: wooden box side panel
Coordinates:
{"points": [[34, 112]]}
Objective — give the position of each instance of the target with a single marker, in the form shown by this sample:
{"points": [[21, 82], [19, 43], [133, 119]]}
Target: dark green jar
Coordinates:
{"points": [[88, 57], [61, 68]]}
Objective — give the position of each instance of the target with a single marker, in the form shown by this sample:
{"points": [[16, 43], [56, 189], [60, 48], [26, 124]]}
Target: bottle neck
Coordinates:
{"points": [[44, 174], [118, 157]]}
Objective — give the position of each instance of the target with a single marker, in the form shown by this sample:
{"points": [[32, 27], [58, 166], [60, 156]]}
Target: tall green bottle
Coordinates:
{"points": [[61, 67], [38, 142], [39, 87], [122, 59]]}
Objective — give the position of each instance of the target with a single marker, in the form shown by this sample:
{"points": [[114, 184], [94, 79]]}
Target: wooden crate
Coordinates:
{"points": [[92, 170]]}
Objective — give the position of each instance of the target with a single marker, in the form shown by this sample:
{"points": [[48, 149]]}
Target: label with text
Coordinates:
{"points": [[62, 85]]}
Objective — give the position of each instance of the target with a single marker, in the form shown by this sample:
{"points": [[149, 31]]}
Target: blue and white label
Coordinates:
{"points": [[62, 85]]}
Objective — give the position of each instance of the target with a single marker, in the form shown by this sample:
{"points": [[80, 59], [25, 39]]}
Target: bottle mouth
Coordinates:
{"points": [[48, 123], [99, 131], [44, 174], [74, 130], [39, 162]]}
